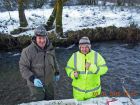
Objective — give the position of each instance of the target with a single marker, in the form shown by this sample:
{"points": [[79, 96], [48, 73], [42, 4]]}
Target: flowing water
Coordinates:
{"points": [[123, 61]]}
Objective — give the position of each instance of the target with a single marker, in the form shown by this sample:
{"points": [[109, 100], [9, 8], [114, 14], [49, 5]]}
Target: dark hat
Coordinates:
{"points": [[40, 31]]}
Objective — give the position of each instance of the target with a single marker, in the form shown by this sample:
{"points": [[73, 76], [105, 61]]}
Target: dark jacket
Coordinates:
{"points": [[37, 62]]}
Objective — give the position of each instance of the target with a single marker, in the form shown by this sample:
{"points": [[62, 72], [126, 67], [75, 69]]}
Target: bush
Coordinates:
{"points": [[128, 34]]}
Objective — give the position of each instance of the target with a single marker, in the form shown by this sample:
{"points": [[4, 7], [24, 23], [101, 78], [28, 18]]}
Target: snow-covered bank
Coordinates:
{"points": [[75, 17], [93, 101]]}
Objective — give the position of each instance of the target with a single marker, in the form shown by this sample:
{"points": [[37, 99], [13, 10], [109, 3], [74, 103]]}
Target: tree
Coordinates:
{"points": [[95, 2], [88, 2], [51, 19], [104, 2], [59, 29], [56, 14], [38, 3], [22, 18], [123, 2], [7, 5], [119, 2], [130, 2]]}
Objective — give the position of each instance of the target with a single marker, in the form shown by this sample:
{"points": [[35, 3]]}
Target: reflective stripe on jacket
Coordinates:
{"points": [[88, 83]]}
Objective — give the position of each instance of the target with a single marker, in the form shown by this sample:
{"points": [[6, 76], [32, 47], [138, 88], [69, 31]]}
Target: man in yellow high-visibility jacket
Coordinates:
{"points": [[85, 68]]}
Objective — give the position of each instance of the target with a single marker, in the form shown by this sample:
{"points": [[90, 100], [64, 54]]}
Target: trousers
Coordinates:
{"points": [[45, 93]]}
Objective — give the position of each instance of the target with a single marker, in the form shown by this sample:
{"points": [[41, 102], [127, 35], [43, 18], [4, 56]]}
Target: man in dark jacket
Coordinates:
{"points": [[39, 67]]}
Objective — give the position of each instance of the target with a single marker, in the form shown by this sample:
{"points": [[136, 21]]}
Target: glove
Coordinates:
{"points": [[37, 82], [57, 76]]}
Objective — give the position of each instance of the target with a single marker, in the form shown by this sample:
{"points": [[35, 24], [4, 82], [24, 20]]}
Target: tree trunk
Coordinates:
{"points": [[22, 18], [104, 2], [130, 2], [38, 3], [95, 2], [123, 2], [119, 2], [51, 19], [59, 29]]}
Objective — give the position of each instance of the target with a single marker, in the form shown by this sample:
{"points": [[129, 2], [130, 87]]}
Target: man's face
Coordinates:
{"points": [[84, 48], [41, 41]]}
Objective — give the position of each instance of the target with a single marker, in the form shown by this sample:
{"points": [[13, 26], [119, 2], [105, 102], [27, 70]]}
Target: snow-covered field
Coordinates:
{"points": [[74, 17], [93, 101]]}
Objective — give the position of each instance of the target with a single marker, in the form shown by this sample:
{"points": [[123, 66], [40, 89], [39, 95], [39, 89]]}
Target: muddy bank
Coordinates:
{"points": [[128, 34]]}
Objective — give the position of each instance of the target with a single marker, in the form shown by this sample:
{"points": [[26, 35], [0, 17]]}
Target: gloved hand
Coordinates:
{"points": [[57, 76], [38, 83], [87, 65]]}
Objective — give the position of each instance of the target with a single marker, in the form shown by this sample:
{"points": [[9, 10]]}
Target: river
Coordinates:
{"points": [[122, 59]]}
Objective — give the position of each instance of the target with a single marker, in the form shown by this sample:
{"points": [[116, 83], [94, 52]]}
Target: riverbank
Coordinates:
{"points": [[127, 34]]}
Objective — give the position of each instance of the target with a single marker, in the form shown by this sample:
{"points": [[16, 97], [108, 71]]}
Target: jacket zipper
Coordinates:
{"points": [[85, 75], [85, 64], [44, 66]]}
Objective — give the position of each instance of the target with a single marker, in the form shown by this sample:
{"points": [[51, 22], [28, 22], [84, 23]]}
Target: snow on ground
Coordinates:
{"points": [[74, 17], [93, 101]]}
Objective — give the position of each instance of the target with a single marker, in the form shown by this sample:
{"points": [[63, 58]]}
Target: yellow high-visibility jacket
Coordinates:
{"points": [[87, 85]]}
